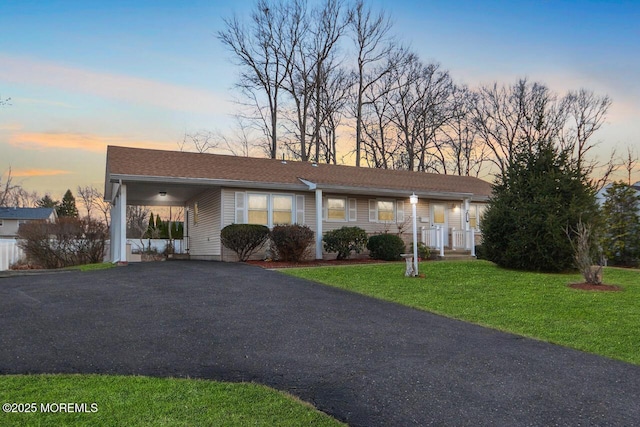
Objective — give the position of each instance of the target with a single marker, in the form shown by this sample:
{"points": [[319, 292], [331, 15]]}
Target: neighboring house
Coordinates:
{"points": [[218, 190], [11, 218], [601, 196]]}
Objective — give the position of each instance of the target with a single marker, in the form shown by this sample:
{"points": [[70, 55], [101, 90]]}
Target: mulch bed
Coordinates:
{"points": [[314, 263], [597, 288]]}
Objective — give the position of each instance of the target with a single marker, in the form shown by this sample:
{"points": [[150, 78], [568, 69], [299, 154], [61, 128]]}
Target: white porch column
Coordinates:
{"points": [[467, 239], [318, 223], [121, 206], [113, 236]]}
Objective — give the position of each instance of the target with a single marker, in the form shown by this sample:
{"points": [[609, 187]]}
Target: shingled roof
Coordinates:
{"points": [[134, 163], [26, 214]]}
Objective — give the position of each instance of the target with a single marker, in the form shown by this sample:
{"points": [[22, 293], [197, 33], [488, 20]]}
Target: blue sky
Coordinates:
{"points": [[85, 74]]}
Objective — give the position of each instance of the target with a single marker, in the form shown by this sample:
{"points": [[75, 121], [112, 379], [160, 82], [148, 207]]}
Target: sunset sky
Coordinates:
{"points": [[84, 74]]}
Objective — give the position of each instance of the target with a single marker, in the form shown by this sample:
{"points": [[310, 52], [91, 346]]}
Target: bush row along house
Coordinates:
{"points": [[218, 190], [11, 218]]}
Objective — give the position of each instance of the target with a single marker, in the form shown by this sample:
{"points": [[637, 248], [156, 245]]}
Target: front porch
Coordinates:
{"points": [[461, 242]]}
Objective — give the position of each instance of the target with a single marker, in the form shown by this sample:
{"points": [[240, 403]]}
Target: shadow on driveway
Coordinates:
{"points": [[364, 361]]}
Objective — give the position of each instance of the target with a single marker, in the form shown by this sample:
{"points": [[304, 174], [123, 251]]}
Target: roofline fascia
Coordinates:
{"points": [[204, 182], [443, 195], [305, 186]]}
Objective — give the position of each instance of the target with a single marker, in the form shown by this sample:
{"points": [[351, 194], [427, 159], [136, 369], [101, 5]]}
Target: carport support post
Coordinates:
{"points": [[122, 215], [119, 226], [318, 223]]}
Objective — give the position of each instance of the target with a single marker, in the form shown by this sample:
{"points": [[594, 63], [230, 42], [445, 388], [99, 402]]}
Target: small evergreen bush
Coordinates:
{"points": [[387, 247], [244, 239], [345, 240], [291, 242], [423, 250]]}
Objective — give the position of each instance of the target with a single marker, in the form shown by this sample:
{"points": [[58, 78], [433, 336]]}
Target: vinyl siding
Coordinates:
{"points": [[204, 236]]}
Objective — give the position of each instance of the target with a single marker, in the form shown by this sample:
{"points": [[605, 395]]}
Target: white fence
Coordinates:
{"points": [[10, 253], [159, 245]]}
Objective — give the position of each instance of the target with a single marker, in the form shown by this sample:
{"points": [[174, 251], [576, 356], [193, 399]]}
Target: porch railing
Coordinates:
{"points": [[433, 237]]}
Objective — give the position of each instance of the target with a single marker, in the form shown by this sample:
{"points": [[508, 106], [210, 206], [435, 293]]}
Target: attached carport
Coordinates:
{"points": [[142, 191]]}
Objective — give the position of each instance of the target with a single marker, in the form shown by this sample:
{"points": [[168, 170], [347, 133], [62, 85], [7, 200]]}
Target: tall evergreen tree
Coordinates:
{"points": [[68, 206], [541, 194], [621, 211], [47, 202], [152, 226]]}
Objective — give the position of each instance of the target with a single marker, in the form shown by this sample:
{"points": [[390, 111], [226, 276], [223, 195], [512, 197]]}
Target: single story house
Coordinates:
{"points": [[218, 190], [11, 218]]}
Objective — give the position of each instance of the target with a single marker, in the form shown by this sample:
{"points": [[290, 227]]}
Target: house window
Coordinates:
{"points": [[282, 209], [475, 214], [267, 209], [336, 209], [438, 214], [386, 210], [258, 212]]}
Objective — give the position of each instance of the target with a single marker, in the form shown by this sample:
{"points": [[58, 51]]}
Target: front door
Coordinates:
{"points": [[439, 219]]}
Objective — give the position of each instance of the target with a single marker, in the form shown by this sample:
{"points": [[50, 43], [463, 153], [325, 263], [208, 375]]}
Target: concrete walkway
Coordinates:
{"points": [[364, 361]]}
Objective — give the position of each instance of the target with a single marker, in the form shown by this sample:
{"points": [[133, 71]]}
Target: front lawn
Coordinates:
{"points": [[536, 305], [80, 400]]}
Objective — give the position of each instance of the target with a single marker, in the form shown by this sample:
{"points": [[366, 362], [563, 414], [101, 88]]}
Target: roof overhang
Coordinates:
{"points": [[391, 192], [175, 191]]}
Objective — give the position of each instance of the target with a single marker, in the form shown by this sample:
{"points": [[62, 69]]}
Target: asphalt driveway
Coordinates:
{"points": [[364, 361]]}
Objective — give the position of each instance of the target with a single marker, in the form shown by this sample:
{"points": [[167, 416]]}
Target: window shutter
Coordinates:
{"points": [[400, 211], [373, 214], [300, 209], [353, 210], [241, 208]]}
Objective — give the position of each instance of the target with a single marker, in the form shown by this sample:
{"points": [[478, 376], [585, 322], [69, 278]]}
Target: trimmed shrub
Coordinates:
{"points": [[291, 242], [345, 240], [244, 239], [387, 247], [423, 250]]}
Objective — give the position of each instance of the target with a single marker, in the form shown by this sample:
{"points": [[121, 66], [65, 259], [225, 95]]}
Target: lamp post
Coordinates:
{"points": [[414, 203]]}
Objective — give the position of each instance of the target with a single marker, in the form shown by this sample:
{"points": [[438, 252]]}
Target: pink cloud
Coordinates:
{"points": [[74, 141]]}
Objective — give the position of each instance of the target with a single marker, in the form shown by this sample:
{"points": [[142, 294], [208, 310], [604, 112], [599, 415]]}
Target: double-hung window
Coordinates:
{"points": [[336, 209], [268, 209], [258, 209], [282, 209], [475, 214], [385, 210]]}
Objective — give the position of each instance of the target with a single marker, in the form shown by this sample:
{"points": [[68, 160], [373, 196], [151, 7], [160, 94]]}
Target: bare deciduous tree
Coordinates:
{"points": [[201, 141], [515, 117], [90, 197], [630, 162], [371, 35], [264, 50]]}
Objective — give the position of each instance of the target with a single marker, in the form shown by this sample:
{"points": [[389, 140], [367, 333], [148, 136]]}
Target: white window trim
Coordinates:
{"points": [[270, 209], [325, 209], [398, 211], [242, 209]]}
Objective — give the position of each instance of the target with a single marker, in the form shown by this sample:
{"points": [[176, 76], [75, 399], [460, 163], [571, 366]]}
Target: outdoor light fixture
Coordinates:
{"points": [[414, 202], [163, 193]]}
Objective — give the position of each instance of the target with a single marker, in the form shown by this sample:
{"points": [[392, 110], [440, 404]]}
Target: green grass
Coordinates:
{"points": [[536, 305], [92, 267], [144, 401]]}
